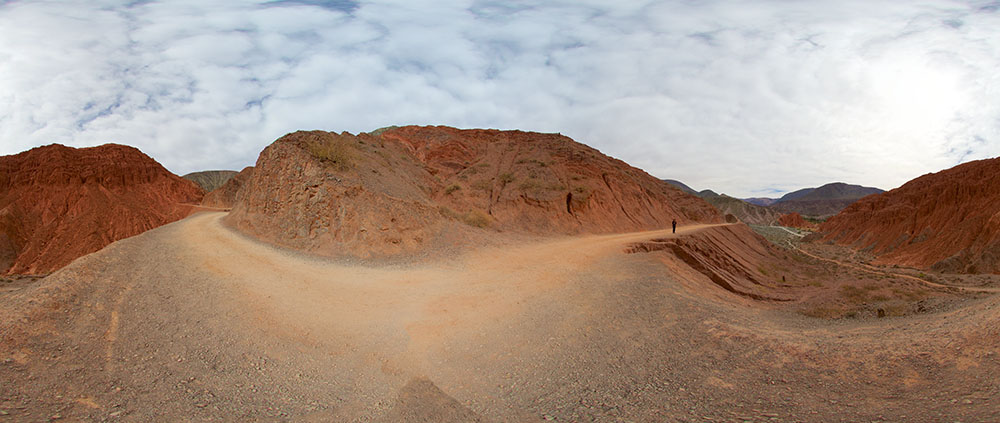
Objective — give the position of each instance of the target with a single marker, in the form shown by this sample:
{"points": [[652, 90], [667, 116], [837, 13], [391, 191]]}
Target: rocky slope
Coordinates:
{"points": [[795, 220], [948, 221], [210, 180], [224, 196], [682, 186], [58, 203], [407, 190], [746, 212], [760, 201], [824, 201]]}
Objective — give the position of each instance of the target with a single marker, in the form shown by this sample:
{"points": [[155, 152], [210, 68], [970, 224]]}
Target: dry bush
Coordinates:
{"points": [[334, 151], [477, 218], [853, 293]]}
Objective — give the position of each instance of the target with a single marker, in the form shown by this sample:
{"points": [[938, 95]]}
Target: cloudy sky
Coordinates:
{"points": [[750, 98]]}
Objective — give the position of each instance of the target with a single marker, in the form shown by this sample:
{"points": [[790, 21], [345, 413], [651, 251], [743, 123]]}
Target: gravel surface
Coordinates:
{"points": [[192, 321]]}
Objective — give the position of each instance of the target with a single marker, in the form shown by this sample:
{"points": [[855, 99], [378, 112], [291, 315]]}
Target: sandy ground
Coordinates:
{"points": [[193, 321]]}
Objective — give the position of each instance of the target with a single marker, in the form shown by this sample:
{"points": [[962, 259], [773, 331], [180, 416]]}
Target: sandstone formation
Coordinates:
{"points": [[406, 190], [733, 257], [795, 220], [58, 203], [210, 180], [224, 196], [948, 221]]}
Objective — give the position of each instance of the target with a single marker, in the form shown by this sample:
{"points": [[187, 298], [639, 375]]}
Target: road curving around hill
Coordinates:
{"points": [[194, 321]]}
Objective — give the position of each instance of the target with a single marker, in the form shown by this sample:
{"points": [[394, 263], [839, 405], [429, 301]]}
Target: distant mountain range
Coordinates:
{"points": [[824, 201], [747, 213], [820, 202]]}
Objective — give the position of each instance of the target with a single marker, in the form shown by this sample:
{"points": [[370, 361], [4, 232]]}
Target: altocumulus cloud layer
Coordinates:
{"points": [[749, 98]]}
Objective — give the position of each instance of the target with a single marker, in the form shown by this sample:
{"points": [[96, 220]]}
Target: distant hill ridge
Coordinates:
{"points": [[824, 201], [209, 180], [746, 212]]}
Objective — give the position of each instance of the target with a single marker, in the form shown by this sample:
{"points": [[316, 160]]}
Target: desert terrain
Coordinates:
{"points": [[443, 275], [193, 321]]}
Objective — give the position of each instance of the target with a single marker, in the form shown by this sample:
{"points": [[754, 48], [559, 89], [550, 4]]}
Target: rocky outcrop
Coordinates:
{"points": [[58, 203], [948, 221], [402, 190], [795, 220], [210, 180], [224, 196], [733, 257]]}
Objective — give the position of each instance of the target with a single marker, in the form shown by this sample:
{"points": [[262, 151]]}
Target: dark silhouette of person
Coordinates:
{"points": [[675, 225]]}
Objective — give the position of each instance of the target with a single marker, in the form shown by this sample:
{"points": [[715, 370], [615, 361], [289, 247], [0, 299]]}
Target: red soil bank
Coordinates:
{"points": [[58, 203], [402, 190], [795, 220], [948, 221], [224, 196]]}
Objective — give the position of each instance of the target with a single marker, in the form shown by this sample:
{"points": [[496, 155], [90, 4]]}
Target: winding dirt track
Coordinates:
{"points": [[193, 321], [877, 271]]}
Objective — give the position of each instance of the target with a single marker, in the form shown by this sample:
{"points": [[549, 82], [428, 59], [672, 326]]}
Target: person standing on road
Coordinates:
{"points": [[675, 225]]}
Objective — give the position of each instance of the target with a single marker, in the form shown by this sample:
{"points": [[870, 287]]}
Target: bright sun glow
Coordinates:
{"points": [[912, 98]]}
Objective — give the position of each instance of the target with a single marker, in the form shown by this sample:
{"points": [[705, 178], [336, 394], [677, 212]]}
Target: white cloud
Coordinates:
{"points": [[741, 97]]}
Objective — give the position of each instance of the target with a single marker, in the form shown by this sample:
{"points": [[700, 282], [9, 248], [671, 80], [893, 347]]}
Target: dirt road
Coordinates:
{"points": [[193, 321], [878, 271]]}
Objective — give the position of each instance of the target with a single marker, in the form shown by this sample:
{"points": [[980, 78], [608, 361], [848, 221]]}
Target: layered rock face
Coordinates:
{"points": [[400, 190], [733, 257], [224, 196], [795, 220], [58, 203], [948, 221]]}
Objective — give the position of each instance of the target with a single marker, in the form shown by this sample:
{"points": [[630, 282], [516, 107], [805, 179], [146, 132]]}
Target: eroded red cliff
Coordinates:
{"points": [[402, 190], [948, 221], [58, 203]]}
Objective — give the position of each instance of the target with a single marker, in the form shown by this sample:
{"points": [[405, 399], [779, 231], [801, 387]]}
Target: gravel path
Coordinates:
{"points": [[192, 321]]}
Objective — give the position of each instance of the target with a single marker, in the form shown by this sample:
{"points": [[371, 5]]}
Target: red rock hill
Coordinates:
{"points": [[795, 220], [948, 221], [224, 196], [58, 203], [402, 190]]}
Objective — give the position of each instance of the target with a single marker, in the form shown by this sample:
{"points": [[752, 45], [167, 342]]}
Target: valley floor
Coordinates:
{"points": [[193, 321]]}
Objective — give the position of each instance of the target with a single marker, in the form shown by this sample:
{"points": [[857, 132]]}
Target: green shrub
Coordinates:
{"points": [[452, 189]]}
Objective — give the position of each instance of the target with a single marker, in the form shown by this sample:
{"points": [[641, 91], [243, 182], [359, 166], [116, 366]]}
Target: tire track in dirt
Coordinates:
{"points": [[872, 270]]}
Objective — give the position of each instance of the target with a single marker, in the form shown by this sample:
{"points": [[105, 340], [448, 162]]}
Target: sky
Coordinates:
{"points": [[748, 98]]}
